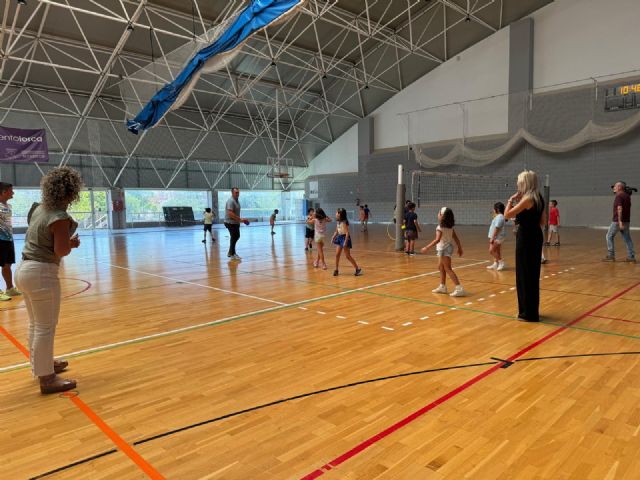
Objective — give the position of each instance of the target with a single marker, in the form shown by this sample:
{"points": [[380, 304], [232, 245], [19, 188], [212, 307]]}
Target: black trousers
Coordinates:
{"points": [[234, 232], [528, 254]]}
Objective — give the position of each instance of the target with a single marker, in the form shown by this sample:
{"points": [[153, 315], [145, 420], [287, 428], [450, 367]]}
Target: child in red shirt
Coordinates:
{"points": [[554, 223]]}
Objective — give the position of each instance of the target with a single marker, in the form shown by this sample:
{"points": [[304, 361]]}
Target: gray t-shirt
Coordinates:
{"points": [[38, 241], [234, 206]]}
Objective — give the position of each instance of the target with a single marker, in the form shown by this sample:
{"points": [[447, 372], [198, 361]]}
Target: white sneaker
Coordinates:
{"points": [[501, 266], [493, 266], [441, 289], [458, 292]]}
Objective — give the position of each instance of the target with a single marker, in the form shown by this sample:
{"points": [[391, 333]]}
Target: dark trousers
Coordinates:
{"points": [[528, 253], [234, 232]]}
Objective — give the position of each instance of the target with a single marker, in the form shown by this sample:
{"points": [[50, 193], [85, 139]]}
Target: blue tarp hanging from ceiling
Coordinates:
{"points": [[257, 15]]}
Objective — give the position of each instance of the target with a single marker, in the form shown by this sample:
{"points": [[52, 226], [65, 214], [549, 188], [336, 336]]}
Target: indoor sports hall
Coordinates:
{"points": [[300, 239]]}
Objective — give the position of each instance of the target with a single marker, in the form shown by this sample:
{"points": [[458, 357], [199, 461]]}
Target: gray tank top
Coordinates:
{"points": [[38, 241]]}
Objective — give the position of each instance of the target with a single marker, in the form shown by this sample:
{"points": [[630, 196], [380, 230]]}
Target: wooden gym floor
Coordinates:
{"points": [[191, 367]]}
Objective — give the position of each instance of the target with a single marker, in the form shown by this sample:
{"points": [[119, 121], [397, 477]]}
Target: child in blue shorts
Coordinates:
{"points": [[342, 241]]}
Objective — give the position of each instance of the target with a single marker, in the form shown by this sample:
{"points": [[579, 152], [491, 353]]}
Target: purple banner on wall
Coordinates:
{"points": [[20, 145]]}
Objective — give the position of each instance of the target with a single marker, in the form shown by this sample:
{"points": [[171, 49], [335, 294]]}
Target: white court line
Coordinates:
{"points": [[231, 292], [407, 324], [512, 288], [363, 322], [492, 295], [481, 299], [302, 308], [388, 328], [420, 255], [341, 317], [233, 317], [321, 313], [439, 313], [503, 291], [424, 318]]}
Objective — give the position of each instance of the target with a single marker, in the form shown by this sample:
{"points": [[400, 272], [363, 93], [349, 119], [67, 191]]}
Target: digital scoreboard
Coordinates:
{"points": [[622, 97]]}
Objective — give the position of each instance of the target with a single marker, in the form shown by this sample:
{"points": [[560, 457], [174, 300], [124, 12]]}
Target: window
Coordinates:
{"points": [[88, 214], [146, 205], [21, 203], [260, 204]]}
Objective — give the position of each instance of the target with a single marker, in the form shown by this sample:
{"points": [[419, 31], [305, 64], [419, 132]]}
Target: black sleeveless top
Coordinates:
{"points": [[529, 219]]}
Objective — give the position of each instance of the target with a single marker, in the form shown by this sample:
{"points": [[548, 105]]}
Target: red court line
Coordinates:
{"points": [[87, 287], [418, 413], [613, 318], [135, 457], [79, 280]]}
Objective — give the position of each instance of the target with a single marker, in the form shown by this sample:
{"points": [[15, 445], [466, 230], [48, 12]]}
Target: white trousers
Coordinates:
{"points": [[40, 287]]}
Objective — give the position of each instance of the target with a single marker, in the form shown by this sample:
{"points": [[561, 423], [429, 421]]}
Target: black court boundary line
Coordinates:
{"points": [[310, 394]]}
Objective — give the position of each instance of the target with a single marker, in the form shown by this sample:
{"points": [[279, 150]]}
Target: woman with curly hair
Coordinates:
{"points": [[50, 236]]}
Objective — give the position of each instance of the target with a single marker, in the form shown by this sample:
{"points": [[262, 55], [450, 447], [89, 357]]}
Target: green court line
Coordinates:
{"points": [[594, 330], [388, 295], [241, 316], [113, 347], [303, 302]]}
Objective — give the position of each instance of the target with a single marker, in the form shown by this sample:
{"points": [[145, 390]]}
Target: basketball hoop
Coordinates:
{"points": [[278, 175], [280, 168]]}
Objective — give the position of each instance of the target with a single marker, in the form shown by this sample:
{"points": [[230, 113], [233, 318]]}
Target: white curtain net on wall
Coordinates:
{"points": [[480, 132]]}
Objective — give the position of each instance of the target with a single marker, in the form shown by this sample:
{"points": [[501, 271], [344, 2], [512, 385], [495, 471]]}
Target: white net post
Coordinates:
{"points": [[399, 214], [547, 198]]}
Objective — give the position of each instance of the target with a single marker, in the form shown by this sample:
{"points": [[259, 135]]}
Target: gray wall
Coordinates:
{"points": [[580, 180]]}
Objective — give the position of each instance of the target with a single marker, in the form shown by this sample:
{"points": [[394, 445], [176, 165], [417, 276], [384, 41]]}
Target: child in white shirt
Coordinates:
{"points": [[445, 236]]}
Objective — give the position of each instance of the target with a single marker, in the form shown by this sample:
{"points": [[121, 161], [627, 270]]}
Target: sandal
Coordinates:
{"points": [[54, 384], [60, 366]]}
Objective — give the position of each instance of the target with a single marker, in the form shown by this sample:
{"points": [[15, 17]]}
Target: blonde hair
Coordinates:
{"points": [[528, 186], [60, 187]]}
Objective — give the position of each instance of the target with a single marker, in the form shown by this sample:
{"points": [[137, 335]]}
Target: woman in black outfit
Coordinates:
{"points": [[527, 207]]}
